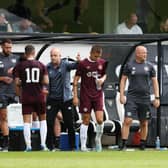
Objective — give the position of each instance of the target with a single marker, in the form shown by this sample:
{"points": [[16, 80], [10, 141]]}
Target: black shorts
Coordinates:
{"points": [[5, 100], [136, 110]]}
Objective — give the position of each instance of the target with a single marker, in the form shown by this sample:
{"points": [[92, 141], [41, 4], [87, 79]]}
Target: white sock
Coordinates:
{"points": [[43, 132], [35, 124], [99, 132], [83, 135], [27, 134]]}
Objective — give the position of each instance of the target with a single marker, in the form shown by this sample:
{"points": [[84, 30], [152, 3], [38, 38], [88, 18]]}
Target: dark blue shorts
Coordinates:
{"points": [[5, 100], [136, 110]]}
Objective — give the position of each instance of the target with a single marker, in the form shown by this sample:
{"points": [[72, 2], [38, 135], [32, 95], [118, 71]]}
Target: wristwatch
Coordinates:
{"points": [[157, 97]]}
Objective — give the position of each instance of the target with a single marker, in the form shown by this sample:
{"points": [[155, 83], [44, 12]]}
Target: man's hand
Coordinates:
{"points": [[75, 101], [45, 91], [100, 82], [122, 99], [10, 71], [156, 103], [7, 80]]}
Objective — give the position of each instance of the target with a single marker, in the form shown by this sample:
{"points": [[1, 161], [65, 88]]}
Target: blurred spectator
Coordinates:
{"points": [[25, 26], [20, 9], [129, 26], [164, 26], [4, 24]]}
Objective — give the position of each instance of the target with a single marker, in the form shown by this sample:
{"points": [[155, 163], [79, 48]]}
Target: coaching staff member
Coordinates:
{"points": [[139, 73]]}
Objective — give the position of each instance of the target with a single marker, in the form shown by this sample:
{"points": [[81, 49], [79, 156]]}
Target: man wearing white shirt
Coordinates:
{"points": [[129, 26]]}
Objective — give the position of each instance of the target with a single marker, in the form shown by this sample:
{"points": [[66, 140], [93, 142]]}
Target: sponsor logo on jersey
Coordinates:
{"points": [[93, 74]]}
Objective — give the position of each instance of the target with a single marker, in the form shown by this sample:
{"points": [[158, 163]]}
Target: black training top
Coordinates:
{"points": [[139, 76], [7, 62]]}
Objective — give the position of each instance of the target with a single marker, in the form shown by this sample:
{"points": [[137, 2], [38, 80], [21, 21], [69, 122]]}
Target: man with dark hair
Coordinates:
{"points": [[140, 73], [92, 72], [31, 75], [7, 93]]}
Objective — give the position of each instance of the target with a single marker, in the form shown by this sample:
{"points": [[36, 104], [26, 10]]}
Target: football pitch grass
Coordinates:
{"points": [[105, 159]]}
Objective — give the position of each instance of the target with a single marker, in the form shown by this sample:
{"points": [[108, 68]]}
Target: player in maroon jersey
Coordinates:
{"points": [[92, 73], [31, 75]]}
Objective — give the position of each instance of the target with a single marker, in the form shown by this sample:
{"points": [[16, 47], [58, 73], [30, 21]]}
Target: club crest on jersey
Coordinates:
{"points": [[100, 67], [146, 68], [13, 60], [88, 67], [85, 109], [50, 72]]}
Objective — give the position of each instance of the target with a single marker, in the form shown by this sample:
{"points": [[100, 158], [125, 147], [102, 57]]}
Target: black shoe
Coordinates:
{"points": [[142, 147], [123, 148]]}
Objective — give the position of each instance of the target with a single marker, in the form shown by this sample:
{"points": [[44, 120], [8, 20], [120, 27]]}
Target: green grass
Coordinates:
{"points": [[112, 159]]}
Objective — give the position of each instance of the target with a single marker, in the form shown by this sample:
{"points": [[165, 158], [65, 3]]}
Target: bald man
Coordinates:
{"points": [[139, 72], [60, 96], [129, 26]]}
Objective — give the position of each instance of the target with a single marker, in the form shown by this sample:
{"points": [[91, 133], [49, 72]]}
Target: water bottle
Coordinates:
{"points": [[98, 87], [157, 143]]}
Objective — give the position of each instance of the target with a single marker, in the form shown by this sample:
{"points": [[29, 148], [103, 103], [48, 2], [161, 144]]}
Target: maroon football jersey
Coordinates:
{"points": [[88, 71], [31, 73]]}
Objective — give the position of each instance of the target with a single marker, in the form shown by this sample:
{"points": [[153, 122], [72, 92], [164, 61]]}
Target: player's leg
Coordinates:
{"points": [[98, 108], [57, 129], [85, 110], [144, 114], [41, 111], [83, 130], [99, 130], [130, 114], [27, 130], [143, 133], [4, 129], [125, 132], [35, 121], [4, 124], [68, 116], [52, 110]]}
